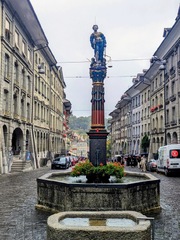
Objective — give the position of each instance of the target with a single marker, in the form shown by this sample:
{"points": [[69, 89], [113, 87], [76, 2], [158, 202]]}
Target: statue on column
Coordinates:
{"points": [[98, 62], [98, 43]]}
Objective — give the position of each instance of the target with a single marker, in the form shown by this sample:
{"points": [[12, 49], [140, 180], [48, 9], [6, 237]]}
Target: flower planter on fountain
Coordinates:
{"points": [[98, 174]]}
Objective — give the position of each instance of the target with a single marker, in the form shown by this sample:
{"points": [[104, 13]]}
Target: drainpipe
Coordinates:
{"points": [[32, 119]]}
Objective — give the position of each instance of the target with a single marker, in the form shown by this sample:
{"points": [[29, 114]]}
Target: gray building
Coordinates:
{"points": [[155, 98]]}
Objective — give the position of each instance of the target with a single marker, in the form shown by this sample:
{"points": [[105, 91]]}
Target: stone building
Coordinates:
{"points": [[32, 91], [155, 98], [131, 115]]}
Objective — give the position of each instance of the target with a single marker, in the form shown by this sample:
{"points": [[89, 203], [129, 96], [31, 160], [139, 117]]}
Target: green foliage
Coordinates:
{"points": [[145, 143], [108, 148], [81, 123], [87, 168]]}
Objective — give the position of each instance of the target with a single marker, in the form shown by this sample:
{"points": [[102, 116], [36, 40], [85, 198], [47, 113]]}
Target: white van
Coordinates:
{"points": [[169, 159]]}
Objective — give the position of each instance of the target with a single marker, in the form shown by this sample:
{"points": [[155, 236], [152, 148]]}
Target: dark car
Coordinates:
{"points": [[151, 165], [56, 155], [60, 163]]}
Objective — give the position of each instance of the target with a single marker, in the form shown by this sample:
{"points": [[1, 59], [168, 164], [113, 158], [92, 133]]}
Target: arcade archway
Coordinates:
{"points": [[17, 141]]}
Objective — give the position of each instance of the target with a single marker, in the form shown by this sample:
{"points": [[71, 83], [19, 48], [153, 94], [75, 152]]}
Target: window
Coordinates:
{"points": [[172, 60], [160, 80], [172, 87], [36, 58], [152, 85], [156, 83], [23, 48], [7, 29], [23, 79], [166, 92], [156, 100], [16, 72], [29, 55], [6, 100], [28, 111], [36, 83], [16, 39], [167, 116], [173, 114], [6, 66], [29, 84]]}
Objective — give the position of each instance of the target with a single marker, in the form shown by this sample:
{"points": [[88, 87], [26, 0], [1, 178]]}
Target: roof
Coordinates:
{"points": [[24, 11]]}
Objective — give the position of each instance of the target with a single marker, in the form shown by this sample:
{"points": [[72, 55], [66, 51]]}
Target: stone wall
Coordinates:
{"points": [[141, 196], [58, 231]]}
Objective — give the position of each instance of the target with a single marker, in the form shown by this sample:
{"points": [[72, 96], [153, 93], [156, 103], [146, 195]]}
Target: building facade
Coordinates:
{"points": [[31, 91], [155, 98]]}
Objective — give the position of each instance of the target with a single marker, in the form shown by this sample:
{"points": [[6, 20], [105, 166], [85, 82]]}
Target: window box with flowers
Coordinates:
{"points": [[98, 174], [155, 108], [152, 109], [160, 106]]}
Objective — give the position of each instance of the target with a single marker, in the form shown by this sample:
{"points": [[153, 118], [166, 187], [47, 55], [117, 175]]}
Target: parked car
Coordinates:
{"points": [[60, 163], [151, 165], [169, 159], [56, 155]]}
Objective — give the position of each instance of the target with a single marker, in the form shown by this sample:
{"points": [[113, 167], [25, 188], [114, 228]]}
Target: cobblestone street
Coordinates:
{"points": [[19, 220]]}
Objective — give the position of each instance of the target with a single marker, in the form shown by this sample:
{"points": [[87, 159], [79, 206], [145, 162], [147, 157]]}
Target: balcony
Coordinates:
{"points": [[161, 130], [154, 131], [172, 71], [167, 124], [173, 122], [172, 98]]}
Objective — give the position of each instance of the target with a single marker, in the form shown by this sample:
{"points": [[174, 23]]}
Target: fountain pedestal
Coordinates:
{"points": [[97, 134], [97, 146]]}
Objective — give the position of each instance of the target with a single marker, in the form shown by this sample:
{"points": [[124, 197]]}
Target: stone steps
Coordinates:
{"points": [[18, 166]]}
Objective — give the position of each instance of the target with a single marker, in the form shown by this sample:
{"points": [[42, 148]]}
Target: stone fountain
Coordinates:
{"points": [[77, 199]]}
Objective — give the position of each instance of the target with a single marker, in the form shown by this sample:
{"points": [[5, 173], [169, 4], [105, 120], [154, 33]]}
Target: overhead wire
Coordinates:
{"points": [[112, 60]]}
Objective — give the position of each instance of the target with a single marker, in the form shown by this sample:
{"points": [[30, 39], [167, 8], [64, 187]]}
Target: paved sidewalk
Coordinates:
{"points": [[19, 220]]}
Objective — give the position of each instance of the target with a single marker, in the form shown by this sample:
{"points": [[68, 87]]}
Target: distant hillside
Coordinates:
{"points": [[81, 123]]}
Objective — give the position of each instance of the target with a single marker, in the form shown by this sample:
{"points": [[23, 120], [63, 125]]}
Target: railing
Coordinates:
{"points": [[172, 98]]}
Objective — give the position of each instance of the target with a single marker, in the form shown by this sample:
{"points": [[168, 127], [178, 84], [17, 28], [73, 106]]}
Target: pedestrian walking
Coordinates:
{"points": [[143, 163], [139, 161]]}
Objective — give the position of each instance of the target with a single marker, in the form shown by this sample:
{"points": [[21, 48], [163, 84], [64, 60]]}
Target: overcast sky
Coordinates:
{"points": [[133, 30]]}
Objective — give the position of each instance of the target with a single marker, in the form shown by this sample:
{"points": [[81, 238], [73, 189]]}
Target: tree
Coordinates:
{"points": [[108, 148], [76, 123], [145, 143]]}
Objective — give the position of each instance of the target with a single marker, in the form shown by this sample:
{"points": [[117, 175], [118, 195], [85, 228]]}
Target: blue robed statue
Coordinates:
{"points": [[98, 43]]}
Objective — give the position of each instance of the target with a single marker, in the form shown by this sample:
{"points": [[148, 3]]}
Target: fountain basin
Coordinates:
{"points": [[141, 195], [74, 226]]}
